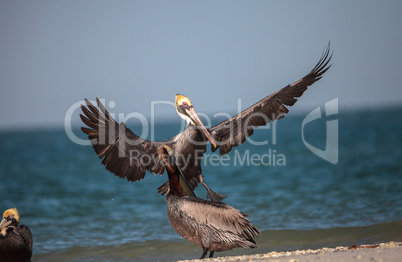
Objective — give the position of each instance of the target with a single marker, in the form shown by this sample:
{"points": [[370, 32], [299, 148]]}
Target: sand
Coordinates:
{"points": [[390, 251]]}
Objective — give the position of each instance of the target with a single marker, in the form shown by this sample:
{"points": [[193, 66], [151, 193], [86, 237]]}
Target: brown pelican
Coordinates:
{"points": [[15, 242], [213, 226], [129, 156]]}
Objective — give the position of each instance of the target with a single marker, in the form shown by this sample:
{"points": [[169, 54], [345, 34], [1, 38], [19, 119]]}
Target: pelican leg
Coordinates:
{"points": [[211, 254], [211, 195], [204, 252]]}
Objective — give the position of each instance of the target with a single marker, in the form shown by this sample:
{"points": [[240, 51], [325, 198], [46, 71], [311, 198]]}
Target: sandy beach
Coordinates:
{"points": [[390, 251]]}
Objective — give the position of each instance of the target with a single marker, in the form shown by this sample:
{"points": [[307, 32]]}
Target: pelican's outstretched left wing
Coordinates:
{"points": [[124, 153], [232, 132]]}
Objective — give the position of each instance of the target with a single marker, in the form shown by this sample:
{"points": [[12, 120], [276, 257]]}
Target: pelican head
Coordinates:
{"points": [[166, 154], [165, 151], [168, 149], [11, 217], [185, 109]]}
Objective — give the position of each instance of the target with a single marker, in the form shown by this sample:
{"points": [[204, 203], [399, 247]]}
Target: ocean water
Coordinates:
{"points": [[78, 211]]}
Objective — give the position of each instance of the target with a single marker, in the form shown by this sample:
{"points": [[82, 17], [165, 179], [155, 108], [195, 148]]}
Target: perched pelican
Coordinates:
{"points": [[15, 242], [129, 156], [213, 226]]}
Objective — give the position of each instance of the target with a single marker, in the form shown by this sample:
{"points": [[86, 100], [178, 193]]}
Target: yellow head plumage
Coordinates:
{"points": [[183, 102], [180, 99], [11, 217]]}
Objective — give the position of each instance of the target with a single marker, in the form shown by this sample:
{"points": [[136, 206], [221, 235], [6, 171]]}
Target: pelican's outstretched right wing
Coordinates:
{"points": [[122, 152], [233, 132]]}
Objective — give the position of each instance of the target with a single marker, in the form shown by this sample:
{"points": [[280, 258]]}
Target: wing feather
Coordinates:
{"points": [[220, 216], [122, 152], [232, 132]]}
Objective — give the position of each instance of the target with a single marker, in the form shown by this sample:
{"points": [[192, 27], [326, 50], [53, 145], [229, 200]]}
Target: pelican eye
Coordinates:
{"points": [[11, 216], [184, 104]]}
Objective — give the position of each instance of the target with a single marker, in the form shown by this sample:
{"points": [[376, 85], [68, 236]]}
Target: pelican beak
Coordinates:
{"points": [[184, 185], [196, 120], [167, 151], [182, 180], [5, 222]]}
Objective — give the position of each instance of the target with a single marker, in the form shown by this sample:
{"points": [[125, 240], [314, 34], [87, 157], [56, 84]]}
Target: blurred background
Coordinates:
{"points": [[54, 54], [133, 54]]}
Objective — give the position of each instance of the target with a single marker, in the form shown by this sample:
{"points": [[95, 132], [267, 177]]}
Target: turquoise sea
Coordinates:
{"points": [[78, 211]]}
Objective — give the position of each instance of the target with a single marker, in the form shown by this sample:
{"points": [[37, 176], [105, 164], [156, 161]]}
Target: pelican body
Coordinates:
{"points": [[213, 226], [15, 242], [122, 151]]}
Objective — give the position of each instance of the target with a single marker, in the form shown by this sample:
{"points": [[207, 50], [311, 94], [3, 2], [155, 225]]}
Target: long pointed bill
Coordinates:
{"points": [[182, 180], [193, 115], [5, 223], [185, 186]]}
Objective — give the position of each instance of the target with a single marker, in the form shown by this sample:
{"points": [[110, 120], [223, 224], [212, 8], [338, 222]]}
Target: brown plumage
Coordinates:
{"points": [[15, 242], [232, 132], [213, 226], [129, 156]]}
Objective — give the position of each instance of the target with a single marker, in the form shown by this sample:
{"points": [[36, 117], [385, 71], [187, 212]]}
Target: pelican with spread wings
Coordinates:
{"points": [[129, 156]]}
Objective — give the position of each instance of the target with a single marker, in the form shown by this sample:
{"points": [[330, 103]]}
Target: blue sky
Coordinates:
{"points": [[55, 53]]}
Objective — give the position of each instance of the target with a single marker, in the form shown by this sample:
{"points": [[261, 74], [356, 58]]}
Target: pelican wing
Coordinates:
{"points": [[124, 153], [220, 216], [232, 132]]}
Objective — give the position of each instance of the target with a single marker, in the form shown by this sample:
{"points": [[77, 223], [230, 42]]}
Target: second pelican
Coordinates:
{"points": [[15, 242], [213, 226]]}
